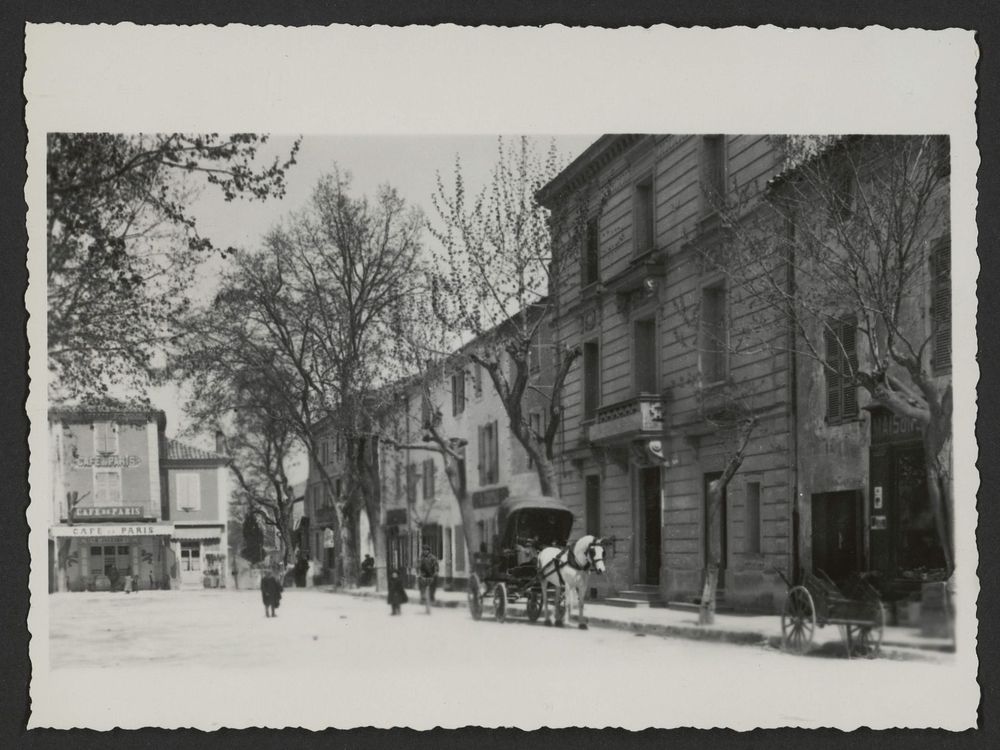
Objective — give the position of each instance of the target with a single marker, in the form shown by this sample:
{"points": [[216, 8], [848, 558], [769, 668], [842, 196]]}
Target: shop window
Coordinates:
{"points": [[591, 260], [643, 216], [593, 501], [188, 488], [458, 393], [751, 521], [591, 379], [645, 351], [714, 334], [105, 437], [107, 487], [841, 365], [941, 307]]}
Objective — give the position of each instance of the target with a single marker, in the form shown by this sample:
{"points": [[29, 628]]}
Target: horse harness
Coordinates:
{"points": [[567, 558]]}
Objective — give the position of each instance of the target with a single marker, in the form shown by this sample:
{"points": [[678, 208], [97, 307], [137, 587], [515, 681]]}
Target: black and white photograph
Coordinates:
{"points": [[417, 401]]}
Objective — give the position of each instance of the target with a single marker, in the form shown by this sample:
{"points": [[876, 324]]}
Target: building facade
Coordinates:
{"points": [[649, 411], [128, 501]]}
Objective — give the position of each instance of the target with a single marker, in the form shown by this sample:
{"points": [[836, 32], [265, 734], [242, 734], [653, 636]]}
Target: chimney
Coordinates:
{"points": [[220, 443]]}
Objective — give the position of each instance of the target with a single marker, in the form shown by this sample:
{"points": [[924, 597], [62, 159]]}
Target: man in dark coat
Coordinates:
{"points": [[397, 594], [270, 592], [428, 573]]}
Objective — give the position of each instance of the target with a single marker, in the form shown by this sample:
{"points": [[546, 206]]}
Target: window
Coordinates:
{"points": [[188, 485], [714, 334], [591, 379], [645, 351], [325, 452], [941, 307], [643, 216], [713, 175], [425, 411], [489, 463], [477, 380], [411, 483], [591, 261], [751, 522], [429, 478], [431, 535], [458, 393], [842, 362], [105, 437], [537, 426], [107, 487], [593, 500], [338, 489]]}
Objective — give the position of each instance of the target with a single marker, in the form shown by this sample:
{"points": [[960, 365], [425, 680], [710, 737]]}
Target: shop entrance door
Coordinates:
{"points": [[836, 533], [190, 563], [651, 525]]}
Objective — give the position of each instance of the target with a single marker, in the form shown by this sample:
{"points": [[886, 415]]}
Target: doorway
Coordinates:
{"points": [[651, 523], [836, 534], [190, 563], [716, 526]]}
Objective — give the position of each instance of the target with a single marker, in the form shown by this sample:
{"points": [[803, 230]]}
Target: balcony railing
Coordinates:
{"points": [[639, 416]]}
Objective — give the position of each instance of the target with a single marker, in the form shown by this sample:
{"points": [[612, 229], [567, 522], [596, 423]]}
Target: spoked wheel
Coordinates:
{"points": [[867, 639], [475, 598], [500, 602], [798, 621], [534, 604]]}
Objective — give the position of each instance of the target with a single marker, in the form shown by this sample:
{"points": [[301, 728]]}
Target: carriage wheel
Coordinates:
{"points": [[534, 604], [500, 602], [798, 621], [867, 639], [475, 598]]}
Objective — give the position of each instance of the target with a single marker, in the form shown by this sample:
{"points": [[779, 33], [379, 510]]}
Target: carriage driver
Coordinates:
{"points": [[428, 568]]}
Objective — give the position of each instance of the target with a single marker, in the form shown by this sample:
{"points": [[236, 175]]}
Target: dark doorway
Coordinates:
{"points": [[649, 497], [836, 534], [716, 527]]}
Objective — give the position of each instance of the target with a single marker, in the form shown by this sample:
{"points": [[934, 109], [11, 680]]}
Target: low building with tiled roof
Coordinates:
{"points": [[129, 504]]}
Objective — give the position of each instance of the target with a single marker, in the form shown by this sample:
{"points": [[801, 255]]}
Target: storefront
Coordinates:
{"points": [[201, 556], [905, 548], [98, 557]]}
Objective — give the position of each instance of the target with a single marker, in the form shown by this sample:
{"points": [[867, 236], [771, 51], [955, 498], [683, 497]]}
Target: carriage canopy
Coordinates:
{"points": [[534, 520]]}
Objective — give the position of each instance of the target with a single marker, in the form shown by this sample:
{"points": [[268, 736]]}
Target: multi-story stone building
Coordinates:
{"points": [[128, 500], [647, 421]]}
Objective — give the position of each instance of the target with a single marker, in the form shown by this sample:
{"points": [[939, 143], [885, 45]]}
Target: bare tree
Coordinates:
{"points": [[498, 263]]}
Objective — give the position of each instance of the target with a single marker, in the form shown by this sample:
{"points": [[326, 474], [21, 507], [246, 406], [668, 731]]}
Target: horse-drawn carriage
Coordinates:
{"points": [[531, 554]]}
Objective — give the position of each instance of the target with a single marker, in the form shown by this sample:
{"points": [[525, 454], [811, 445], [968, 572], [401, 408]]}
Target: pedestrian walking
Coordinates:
{"points": [[397, 594], [270, 592]]}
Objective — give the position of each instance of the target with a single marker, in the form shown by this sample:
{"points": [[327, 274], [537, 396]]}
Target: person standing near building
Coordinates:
{"points": [[428, 571], [397, 594], [270, 592]]}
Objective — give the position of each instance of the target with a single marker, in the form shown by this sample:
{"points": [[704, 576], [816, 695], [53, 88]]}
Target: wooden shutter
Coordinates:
{"points": [[482, 456], [495, 454], [849, 399], [941, 307], [593, 501], [833, 410]]}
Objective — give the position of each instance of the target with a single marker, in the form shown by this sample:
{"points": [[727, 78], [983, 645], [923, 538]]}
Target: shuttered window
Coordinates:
{"points": [[713, 170], [429, 469], [105, 437], [751, 529], [489, 464], [411, 483], [593, 500], [643, 216], [108, 488], [941, 307], [188, 485], [591, 379], [842, 362], [458, 393], [714, 334]]}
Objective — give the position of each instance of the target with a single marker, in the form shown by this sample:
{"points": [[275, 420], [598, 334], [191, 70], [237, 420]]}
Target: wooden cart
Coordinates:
{"points": [[854, 605]]}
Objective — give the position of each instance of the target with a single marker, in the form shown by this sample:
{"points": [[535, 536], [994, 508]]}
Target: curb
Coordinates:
{"points": [[711, 634]]}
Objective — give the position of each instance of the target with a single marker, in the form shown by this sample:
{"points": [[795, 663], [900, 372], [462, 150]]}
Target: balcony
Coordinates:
{"points": [[637, 418]]}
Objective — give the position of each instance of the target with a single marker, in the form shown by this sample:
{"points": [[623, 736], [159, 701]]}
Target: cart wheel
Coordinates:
{"points": [[534, 605], [475, 598], [500, 602], [798, 621], [868, 640]]}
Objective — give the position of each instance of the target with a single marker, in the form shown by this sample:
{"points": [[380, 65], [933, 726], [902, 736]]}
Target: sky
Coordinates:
{"points": [[408, 163]]}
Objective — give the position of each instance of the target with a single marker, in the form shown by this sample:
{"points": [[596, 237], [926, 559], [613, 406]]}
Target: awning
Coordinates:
{"points": [[112, 529], [195, 533]]}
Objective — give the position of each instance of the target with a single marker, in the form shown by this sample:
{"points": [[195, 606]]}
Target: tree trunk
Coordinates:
{"points": [[548, 480], [706, 610], [937, 462]]}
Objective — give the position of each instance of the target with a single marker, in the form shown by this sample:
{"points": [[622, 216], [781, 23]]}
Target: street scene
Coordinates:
{"points": [[383, 418], [344, 661]]}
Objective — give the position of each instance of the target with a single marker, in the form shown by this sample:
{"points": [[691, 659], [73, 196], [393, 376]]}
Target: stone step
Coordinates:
{"points": [[646, 596], [651, 587], [616, 601]]}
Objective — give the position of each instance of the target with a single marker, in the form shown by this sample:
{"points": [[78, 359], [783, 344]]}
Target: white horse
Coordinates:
{"points": [[570, 568]]}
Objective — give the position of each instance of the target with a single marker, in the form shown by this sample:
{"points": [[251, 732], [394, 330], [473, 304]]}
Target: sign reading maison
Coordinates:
{"points": [[106, 462]]}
